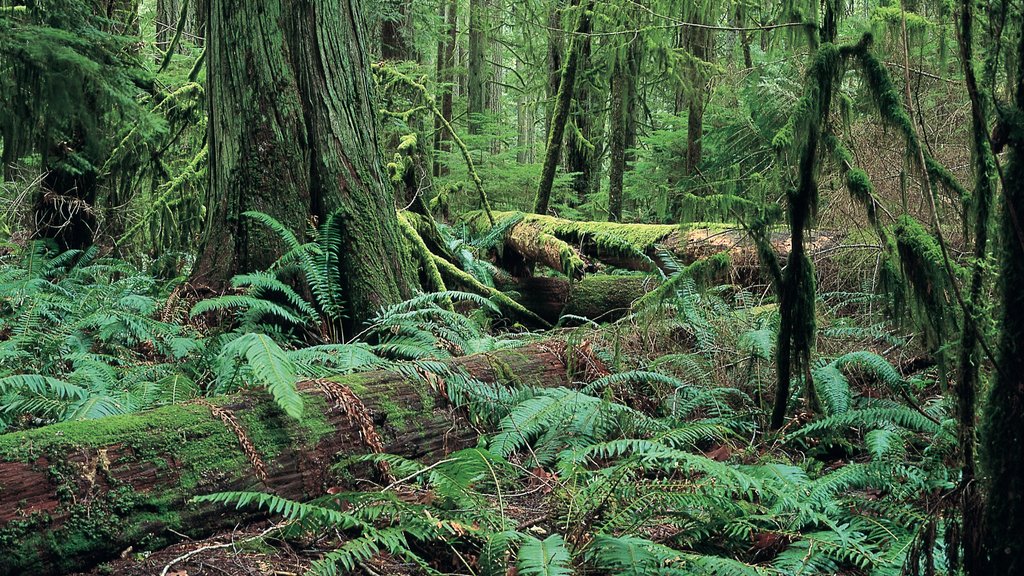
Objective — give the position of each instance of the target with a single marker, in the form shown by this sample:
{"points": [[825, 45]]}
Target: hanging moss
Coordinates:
{"points": [[932, 300], [890, 107]]}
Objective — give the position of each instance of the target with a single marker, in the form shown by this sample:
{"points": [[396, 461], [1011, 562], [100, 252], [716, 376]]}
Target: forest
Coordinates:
{"points": [[512, 288]]}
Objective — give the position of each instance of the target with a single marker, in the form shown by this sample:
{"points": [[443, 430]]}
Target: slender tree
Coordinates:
{"points": [[476, 87], [970, 358], [561, 112], [445, 80], [293, 134]]}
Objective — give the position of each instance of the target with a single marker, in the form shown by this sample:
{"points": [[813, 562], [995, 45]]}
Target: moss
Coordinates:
{"points": [[203, 449], [639, 237], [422, 253], [922, 264], [503, 373]]}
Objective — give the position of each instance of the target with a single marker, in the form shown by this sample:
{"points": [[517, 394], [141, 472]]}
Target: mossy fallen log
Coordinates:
{"points": [[598, 297], [636, 246], [75, 494]]}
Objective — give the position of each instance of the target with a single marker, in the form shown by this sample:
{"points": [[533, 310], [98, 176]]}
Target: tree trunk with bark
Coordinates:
{"points": [[293, 134], [1003, 445], [475, 97], [445, 81], [617, 141], [79, 493], [598, 297], [561, 111], [580, 157], [700, 43]]}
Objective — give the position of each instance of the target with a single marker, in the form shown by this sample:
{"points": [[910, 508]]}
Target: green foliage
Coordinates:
{"points": [[86, 337], [270, 367]]}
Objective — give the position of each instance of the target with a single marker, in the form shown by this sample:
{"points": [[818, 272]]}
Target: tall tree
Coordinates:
{"points": [[66, 99], [580, 157], [1004, 435], [396, 31], [445, 80], [555, 55], [560, 114], [293, 134], [476, 73], [622, 131], [700, 44]]}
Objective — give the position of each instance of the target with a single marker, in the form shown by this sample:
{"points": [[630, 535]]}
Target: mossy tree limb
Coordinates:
{"points": [[500, 298], [397, 76], [79, 493]]}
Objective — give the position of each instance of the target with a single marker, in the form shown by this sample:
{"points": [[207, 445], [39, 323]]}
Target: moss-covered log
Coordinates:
{"points": [[599, 297], [637, 246], [78, 493]]}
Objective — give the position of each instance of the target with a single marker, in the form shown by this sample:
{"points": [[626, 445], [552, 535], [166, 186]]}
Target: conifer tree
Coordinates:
{"points": [[293, 134]]}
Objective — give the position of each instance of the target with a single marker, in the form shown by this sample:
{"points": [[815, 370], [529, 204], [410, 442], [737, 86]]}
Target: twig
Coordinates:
{"points": [[202, 549]]}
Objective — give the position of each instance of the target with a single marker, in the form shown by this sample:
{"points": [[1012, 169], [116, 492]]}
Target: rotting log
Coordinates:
{"points": [[75, 494], [640, 246], [598, 297]]}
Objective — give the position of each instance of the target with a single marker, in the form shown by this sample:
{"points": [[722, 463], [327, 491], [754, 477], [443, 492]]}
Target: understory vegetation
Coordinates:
{"points": [[537, 288]]}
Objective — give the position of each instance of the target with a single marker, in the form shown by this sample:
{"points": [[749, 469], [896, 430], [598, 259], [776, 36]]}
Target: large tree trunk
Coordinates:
{"points": [[1003, 446], [79, 493], [293, 134], [580, 157]]}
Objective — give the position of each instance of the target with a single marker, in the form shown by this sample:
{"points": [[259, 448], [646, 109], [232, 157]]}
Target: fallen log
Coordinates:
{"points": [[637, 246], [75, 494], [598, 297]]}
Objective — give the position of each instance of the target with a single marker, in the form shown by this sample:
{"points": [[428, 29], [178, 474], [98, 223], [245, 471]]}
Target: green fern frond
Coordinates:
{"points": [[271, 367], [548, 557]]}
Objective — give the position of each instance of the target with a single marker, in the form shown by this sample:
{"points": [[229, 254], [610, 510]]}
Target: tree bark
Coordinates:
{"points": [[561, 112], [445, 80], [78, 493], [1003, 444], [477, 78], [293, 134]]}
